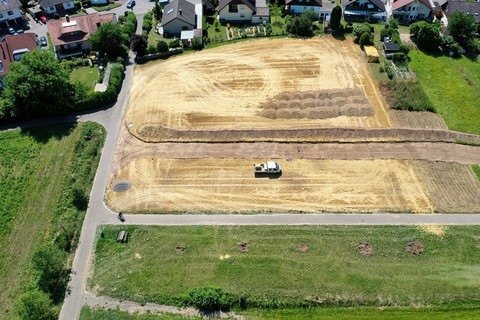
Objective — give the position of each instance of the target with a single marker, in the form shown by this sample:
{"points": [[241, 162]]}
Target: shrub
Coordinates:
{"points": [[384, 33], [175, 43], [162, 46], [208, 298], [360, 29], [365, 39], [35, 305], [151, 49], [409, 95]]}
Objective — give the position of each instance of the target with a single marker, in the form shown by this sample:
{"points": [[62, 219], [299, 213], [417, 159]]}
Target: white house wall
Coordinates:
{"points": [[300, 9], [15, 14], [413, 10], [236, 16]]}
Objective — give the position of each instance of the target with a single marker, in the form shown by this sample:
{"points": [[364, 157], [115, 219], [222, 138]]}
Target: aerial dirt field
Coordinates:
{"points": [[262, 84], [279, 86]]}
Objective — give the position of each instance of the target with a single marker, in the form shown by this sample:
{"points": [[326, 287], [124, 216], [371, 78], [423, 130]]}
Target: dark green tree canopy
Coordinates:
{"points": [[427, 34], [37, 85], [336, 17], [462, 27], [110, 39], [302, 25], [35, 305], [138, 44]]}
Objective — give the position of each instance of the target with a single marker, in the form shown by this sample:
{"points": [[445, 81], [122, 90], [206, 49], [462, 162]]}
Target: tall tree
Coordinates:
{"points": [[462, 27], [336, 17], [38, 85], [109, 39], [427, 34], [157, 10], [139, 44]]}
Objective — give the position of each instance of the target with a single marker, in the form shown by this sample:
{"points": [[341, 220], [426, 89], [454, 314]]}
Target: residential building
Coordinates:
{"points": [[364, 10], [409, 11], [12, 48], [243, 11], [10, 13], [56, 6], [178, 16], [472, 8], [298, 6], [70, 35]]}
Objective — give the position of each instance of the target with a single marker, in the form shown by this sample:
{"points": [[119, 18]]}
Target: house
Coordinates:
{"points": [[56, 6], [472, 8], [298, 6], [70, 35], [364, 10], [409, 11], [10, 13], [178, 16], [12, 48], [98, 2], [243, 11]]}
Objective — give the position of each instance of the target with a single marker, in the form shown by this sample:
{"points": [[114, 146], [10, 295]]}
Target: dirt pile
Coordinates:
{"points": [[302, 247], [365, 249], [179, 249], [415, 248], [243, 247]]}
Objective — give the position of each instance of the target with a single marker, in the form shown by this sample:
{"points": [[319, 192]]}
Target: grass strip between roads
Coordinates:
{"points": [[103, 314], [158, 264]]}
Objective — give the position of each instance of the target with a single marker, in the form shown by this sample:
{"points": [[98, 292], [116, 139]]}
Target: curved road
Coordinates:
{"points": [[98, 213]]}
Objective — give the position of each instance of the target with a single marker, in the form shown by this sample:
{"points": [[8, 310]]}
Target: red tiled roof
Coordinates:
{"points": [[12, 43], [78, 29]]}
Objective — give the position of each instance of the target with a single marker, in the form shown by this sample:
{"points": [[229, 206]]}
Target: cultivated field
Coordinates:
{"points": [[268, 88]]}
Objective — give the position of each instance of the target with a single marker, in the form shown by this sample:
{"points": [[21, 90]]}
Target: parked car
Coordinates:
{"points": [[26, 26], [11, 30], [131, 4], [43, 41], [19, 31], [44, 19]]}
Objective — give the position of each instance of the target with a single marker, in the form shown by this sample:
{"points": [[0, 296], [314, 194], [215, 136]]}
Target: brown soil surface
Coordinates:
{"points": [[365, 249], [407, 119], [243, 247], [233, 87], [180, 249], [415, 248], [302, 247]]}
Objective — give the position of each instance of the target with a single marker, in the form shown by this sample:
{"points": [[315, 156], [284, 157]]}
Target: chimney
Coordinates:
{"points": [[180, 12], [67, 17]]}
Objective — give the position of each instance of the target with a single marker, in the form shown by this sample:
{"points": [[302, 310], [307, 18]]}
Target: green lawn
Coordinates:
{"points": [[102, 314], [369, 313], [85, 75], [274, 273], [453, 86], [476, 170], [37, 167], [101, 8]]}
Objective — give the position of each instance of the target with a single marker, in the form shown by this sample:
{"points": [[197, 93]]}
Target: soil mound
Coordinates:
{"points": [[302, 247], [365, 249], [180, 249], [243, 247], [415, 248]]}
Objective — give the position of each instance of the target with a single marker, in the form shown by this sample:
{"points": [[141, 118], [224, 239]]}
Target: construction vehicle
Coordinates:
{"points": [[267, 167]]}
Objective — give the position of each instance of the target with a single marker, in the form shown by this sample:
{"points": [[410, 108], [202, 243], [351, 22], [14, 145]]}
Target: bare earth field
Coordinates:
{"points": [[284, 84]]}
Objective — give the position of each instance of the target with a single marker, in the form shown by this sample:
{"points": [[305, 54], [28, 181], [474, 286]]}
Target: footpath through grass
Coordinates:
{"points": [[37, 169], [453, 86], [274, 273]]}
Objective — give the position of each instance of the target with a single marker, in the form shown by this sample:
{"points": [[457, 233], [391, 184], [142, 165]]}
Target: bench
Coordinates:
{"points": [[122, 236]]}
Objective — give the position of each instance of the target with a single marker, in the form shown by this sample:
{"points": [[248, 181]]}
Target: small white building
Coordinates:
{"points": [[247, 11], [55, 6]]}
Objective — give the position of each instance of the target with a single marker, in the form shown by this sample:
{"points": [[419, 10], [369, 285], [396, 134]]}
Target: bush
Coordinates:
{"points": [[365, 40], [151, 49], [208, 299], [197, 43], [359, 30], [175, 43], [409, 95], [35, 305], [162, 46]]}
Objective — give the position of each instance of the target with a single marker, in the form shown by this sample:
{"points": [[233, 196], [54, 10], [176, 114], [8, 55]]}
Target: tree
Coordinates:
{"points": [[462, 27], [162, 46], [37, 85], [365, 39], [393, 23], [427, 34], [197, 43], [302, 25], [35, 305], [139, 44], [109, 39], [336, 17], [157, 11], [360, 29], [49, 261]]}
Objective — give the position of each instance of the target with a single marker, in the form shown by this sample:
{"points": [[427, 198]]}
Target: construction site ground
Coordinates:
{"points": [[251, 89]]}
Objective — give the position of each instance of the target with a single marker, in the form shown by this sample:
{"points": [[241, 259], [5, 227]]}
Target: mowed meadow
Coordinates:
{"points": [[292, 266], [46, 175]]}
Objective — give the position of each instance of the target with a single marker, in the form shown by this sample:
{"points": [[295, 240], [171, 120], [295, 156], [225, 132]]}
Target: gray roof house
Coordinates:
{"points": [[10, 13], [472, 8], [178, 16], [53, 6], [243, 11], [364, 10]]}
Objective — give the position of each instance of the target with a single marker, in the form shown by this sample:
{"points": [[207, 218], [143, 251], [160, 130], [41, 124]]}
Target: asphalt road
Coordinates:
{"points": [[98, 213]]}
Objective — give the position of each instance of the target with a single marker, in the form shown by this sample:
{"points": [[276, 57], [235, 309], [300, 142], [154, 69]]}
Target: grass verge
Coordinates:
{"points": [[476, 171], [103, 314], [273, 273], [453, 86], [40, 169]]}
